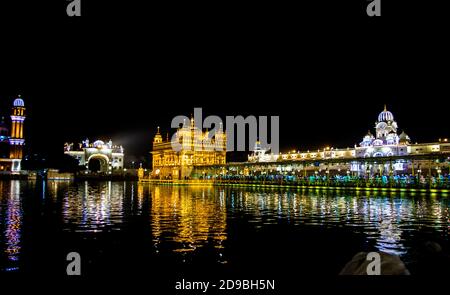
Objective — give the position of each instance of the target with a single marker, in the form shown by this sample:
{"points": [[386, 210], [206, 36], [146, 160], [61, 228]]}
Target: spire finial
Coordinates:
{"points": [[158, 129], [385, 108]]}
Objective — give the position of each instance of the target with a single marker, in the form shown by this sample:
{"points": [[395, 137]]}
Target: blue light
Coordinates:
{"points": [[18, 102]]}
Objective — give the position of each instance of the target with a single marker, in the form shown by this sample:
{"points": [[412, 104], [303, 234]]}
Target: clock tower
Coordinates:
{"points": [[17, 140]]}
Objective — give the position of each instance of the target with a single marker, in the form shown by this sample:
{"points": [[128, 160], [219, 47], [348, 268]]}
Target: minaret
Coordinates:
{"points": [[17, 140]]}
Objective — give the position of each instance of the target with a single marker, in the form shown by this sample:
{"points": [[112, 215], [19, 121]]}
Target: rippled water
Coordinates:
{"points": [[136, 224]]}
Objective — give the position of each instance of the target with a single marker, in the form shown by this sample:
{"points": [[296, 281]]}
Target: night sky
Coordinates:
{"points": [[326, 69]]}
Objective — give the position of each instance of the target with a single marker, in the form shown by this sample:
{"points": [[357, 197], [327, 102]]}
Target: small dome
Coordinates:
{"points": [[369, 135], [385, 116], [368, 139], [98, 143], [404, 137], [18, 102], [377, 142]]}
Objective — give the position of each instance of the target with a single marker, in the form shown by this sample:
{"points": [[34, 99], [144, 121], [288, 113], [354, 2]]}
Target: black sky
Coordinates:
{"points": [[326, 69]]}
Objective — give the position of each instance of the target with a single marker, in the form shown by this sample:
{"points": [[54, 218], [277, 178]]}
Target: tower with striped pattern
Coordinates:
{"points": [[17, 140]]}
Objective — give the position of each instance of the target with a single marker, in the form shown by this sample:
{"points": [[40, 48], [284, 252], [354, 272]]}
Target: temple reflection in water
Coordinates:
{"points": [[178, 221], [93, 208], [191, 216]]}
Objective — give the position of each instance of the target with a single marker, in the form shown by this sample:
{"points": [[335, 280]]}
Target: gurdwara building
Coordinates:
{"points": [[386, 142], [108, 157], [196, 148]]}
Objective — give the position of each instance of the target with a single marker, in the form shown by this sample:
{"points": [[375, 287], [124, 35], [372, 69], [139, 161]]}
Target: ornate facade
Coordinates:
{"points": [[12, 140], [189, 147], [385, 143], [109, 157]]}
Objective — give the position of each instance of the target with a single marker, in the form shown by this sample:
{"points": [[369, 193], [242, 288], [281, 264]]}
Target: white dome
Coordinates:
{"points": [[385, 116], [404, 137], [98, 143], [369, 136], [18, 102]]}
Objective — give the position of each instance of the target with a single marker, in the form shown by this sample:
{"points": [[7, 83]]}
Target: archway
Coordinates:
{"points": [[98, 163], [95, 165]]}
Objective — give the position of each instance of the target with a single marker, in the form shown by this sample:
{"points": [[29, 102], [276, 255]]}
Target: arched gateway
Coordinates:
{"points": [[98, 163], [98, 156]]}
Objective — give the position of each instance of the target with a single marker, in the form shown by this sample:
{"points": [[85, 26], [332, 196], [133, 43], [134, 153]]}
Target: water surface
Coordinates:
{"points": [[127, 227]]}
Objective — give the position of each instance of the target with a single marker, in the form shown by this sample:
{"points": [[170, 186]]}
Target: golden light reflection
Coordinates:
{"points": [[188, 220], [140, 195], [54, 187], [192, 217]]}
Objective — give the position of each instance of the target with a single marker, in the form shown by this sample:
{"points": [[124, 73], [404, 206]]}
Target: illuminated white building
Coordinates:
{"points": [[109, 156], [385, 143]]}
